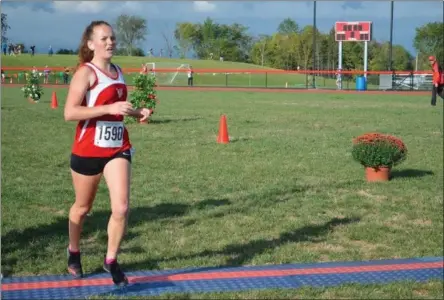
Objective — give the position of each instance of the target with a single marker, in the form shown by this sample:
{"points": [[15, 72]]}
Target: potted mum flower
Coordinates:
{"points": [[32, 89], [378, 153], [144, 94]]}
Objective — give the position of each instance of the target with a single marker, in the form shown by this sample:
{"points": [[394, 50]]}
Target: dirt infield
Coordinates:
{"points": [[259, 90]]}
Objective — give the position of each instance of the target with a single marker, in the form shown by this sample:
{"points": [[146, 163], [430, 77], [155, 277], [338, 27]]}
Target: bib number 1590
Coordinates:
{"points": [[109, 134]]}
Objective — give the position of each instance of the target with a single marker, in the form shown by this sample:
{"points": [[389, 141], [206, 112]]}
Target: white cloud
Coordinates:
{"points": [[380, 9], [135, 7], [95, 7], [71, 17], [91, 7], [204, 6]]}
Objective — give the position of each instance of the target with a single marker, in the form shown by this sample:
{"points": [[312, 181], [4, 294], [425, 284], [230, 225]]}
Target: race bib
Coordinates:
{"points": [[109, 134]]}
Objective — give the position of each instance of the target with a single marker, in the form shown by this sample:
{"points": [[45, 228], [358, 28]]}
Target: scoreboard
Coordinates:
{"points": [[353, 31]]}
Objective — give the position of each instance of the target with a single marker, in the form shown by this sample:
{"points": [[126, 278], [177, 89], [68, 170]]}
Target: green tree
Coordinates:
{"points": [[333, 50], [184, 35], [402, 59], [305, 47], [130, 30], [210, 40], [429, 40], [288, 26], [288, 36], [352, 56], [205, 38], [234, 42], [5, 27], [289, 45], [325, 49], [64, 51], [168, 37], [259, 49], [276, 51], [136, 51]]}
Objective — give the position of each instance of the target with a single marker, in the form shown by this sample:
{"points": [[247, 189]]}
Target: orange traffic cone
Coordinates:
{"points": [[54, 102], [223, 131]]}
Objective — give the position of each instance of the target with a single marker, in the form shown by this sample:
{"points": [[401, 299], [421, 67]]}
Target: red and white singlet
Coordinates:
{"points": [[104, 136]]}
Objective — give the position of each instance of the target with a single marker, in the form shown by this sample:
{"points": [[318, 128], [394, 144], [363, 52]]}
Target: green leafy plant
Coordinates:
{"points": [[378, 150], [144, 94], [32, 88]]}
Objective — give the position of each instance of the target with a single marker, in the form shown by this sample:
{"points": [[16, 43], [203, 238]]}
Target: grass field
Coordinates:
{"points": [[201, 79], [286, 190]]}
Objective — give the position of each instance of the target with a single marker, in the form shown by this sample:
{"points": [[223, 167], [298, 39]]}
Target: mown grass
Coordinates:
{"points": [[285, 190], [245, 79], [40, 60]]}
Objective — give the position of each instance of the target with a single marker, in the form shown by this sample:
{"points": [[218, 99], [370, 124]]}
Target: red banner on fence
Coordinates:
{"points": [[237, 71]]}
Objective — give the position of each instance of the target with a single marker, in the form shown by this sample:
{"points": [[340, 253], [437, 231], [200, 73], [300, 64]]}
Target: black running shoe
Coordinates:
{"points": [[119, 278], [74, 264]]}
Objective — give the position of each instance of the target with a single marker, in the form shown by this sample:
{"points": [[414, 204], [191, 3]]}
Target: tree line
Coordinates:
{"points": [[290, 47]]}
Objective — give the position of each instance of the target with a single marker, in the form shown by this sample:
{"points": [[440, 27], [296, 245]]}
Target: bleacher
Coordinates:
{"points": [[405, 81]]}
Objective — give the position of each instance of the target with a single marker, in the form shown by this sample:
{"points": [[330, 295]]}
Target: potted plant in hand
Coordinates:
{"points": [[144, 94], [32, 89], [378, 153]]}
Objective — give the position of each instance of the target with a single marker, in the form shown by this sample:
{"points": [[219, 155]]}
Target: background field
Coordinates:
{"points": [[286, 189], [214, 78]]}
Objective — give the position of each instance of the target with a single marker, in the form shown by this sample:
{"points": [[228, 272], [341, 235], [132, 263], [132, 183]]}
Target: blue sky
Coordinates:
{"points": [[60, 23]]}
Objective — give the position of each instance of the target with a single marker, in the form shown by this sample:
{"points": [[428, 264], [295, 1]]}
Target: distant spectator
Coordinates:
{"points": [[438, 80], [190, 76], [338, 79], [46, 72], [144, 70], [65, 75], [11, 49]]}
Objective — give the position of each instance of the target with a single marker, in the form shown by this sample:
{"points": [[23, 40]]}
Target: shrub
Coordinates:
{"points": [[144, 94], [32, 88], [378, 150]]}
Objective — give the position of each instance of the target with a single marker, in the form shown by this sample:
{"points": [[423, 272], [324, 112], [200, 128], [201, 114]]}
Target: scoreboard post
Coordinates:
{"points": [[352, 32]]}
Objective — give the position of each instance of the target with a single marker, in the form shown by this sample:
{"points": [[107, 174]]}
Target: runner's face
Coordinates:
{"points": [[103, 41]]}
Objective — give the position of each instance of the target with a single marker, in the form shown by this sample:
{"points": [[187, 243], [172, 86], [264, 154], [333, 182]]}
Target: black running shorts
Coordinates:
{"points": [[94, 165]]}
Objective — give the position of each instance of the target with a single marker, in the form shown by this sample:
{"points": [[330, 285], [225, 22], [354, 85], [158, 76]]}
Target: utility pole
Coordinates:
{"points": [[390, 63], [314, 45], [416, 63]]}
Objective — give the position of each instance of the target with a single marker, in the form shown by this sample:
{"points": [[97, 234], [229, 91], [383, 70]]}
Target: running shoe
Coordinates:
{"points": [[74, 264], [119, 278]]}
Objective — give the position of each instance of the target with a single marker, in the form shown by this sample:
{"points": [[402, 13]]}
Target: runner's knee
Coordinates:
{"points": [[120, 211], [80, 210]]}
